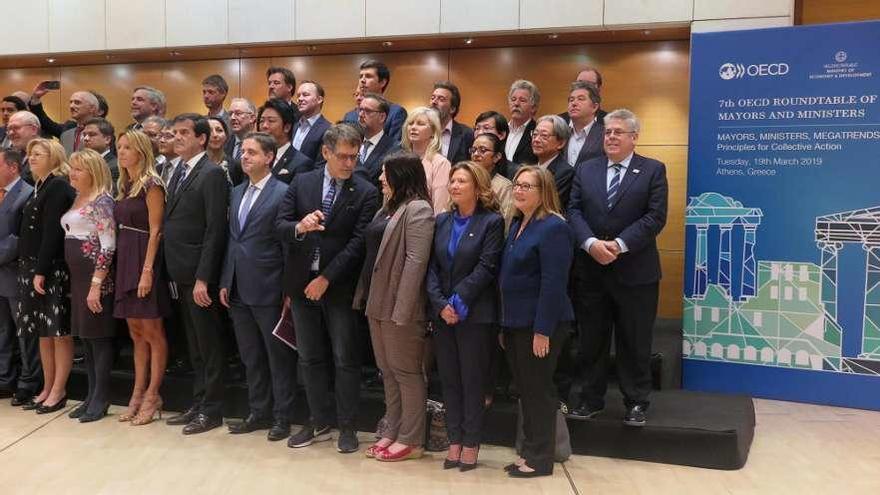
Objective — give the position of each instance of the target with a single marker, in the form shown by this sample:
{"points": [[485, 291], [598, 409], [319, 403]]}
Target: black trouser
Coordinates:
{"points": [[463, 355], [270, 365], [604, 306], [534, 381], [20, 367], [329, 319], [99, 363], [206, 352]]}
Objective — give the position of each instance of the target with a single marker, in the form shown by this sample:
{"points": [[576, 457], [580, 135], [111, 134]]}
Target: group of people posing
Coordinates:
{"points": [[510, 238]]}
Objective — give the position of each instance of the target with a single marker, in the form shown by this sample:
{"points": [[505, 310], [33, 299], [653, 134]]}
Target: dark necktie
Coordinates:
{"points": [[365, 148], [614, 185], [177, 178], [236, 151], [326, 207]]}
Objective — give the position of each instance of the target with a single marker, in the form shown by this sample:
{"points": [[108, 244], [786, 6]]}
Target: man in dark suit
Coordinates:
{"points": [[276, 118], [146, 101], [250, 287], [456, 138], [214, 91], [79, 111], [548, 143], [20, 371], [23, 128], [587, 133], [242, 121], [618, 207], [522, 100], [308, 133], [374, 77], [372, 112], [97, 134], [195, 231], [322, 221], [593, 76]]}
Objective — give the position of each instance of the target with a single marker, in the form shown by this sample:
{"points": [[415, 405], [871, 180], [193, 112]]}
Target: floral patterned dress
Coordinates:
{"points": [[89, 244]]}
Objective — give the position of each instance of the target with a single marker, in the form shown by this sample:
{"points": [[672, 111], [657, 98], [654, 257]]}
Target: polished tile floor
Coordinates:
{"points": [[798, 449]]}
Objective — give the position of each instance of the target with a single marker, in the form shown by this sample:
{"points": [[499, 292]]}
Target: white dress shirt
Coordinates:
{"points": [[445, 139], [513, 139], [577, 140], [303, 128]]}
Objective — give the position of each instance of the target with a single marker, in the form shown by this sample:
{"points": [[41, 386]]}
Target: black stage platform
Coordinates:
{"points": [[685, 428]]}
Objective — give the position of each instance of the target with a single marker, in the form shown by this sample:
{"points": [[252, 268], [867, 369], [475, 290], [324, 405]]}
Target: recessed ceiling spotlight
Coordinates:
{"points": [[386, 44], [312, 48], [646, 32], [468, 41], [50, 60], [552, 36], [175, 53]]}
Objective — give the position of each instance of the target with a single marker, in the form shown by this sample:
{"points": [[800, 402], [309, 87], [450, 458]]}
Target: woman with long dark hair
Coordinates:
{"points": [[392, 289]]}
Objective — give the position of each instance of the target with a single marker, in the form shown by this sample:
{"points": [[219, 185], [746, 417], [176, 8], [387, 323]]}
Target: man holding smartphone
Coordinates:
{"points": [[84, 105]]}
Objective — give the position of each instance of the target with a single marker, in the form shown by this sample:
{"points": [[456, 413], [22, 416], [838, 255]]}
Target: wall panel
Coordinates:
{"points": [[77, 25]]}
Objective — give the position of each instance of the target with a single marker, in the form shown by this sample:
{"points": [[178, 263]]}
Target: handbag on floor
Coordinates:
{"points": [[563, 441], [436, 439]]}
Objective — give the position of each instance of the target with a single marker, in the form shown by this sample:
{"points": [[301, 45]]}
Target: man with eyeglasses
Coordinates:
{"points": [[548, 142], [276, 118], [23, 128], [322, 221], [242, 121], [372, 112], [587, 133], [618, 207]]}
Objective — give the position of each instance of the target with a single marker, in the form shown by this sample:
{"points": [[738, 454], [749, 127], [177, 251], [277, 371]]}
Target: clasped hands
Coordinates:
{"points": [[605, 252]]}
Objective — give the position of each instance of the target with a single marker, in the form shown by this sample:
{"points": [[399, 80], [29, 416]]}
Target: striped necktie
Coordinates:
{"points": [[614, 185], [326, 207]]}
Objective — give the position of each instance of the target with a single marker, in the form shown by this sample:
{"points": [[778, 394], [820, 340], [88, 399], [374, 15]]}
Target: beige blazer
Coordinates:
{"points": [[437, 175], [397, 286], [503, 189]]}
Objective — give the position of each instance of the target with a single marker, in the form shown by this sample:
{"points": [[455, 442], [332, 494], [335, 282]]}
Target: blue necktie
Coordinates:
{"points": [[246, 204], [326, 206], [614, 185]]}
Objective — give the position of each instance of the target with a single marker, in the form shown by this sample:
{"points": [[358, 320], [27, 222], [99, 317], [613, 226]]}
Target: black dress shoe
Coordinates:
{"points": [[636, 416], [517, 473], [279, 431], [44, 409], [21, 398], [183, 418], [91, 417], [249, 424], [78, 411], [202, 423], [347, 442], [584, 412], [178, 367]]}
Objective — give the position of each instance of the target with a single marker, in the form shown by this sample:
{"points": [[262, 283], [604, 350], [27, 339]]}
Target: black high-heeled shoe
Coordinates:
{"points": [[90, 417], [44, 409], [450, 464], [32, 405], [78, 411]]}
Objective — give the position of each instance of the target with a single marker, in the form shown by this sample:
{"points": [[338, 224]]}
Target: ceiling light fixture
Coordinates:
{"points": [[387, 44], [50, 60]]}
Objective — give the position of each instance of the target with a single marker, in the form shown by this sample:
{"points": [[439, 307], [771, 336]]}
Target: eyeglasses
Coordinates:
{"points": [[617, 132], [345, 158], [525, 186], [473, 150], [368, 111], [240, 113]]}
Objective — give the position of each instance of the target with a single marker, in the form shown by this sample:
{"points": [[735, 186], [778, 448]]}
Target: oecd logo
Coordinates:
{"points": [[730, 71], [840, 56]]}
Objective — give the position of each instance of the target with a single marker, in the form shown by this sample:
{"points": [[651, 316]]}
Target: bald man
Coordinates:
{"points": [[83, 106]]}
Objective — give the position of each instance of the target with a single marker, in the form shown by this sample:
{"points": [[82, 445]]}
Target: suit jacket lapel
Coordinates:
{"points": [[526, 139], [237, 196], [389, 229], [260, 201], [599, 179], [343, 197], [454, 141], [592, 143], [282, 162], [176, 195], [10, 197]]}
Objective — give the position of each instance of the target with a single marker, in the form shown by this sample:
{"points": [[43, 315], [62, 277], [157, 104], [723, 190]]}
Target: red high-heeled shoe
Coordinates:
{"points": [[409, 452]]}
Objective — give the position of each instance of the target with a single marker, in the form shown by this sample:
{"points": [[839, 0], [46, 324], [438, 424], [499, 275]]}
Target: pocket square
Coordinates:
{"points": [[283, 171]]}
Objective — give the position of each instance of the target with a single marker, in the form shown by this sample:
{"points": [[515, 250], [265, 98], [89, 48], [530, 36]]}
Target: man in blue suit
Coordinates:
{"points": [[372, 113], [374, 78], [308, 133], [618, 207], [250, 286], [322, 222], [25, 379]]}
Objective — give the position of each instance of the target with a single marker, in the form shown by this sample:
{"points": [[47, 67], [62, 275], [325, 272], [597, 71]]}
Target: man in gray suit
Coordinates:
{"points": [[83, 107], [24, 377]]}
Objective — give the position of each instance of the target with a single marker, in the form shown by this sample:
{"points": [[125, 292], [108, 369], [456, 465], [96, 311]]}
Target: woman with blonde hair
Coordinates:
{"points": [[421, 135], [89, 244], [463, 304], [141, 293], [536, 311], [43, 281]]}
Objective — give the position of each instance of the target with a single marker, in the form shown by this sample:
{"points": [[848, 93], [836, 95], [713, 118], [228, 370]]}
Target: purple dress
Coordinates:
{"points": [[132, 235]]}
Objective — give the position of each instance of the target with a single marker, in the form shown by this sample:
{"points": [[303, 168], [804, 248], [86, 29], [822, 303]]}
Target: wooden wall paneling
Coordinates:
{"points": [[182, 83], [483, 76], [26, 79], [675, 158], [672, 284], [826, 11], [252, 79]]}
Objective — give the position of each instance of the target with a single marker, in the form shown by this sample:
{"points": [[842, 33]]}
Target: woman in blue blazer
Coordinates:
{"points": [[536, 311], [464, 304]]}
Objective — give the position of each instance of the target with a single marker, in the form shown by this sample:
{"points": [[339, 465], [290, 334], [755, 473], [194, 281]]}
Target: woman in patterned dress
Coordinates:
{"points": [[43, 281], [89, 244], [141, 292]]}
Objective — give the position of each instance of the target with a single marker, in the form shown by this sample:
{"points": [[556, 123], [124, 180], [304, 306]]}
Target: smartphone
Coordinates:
{"points": [[51, 84]]}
